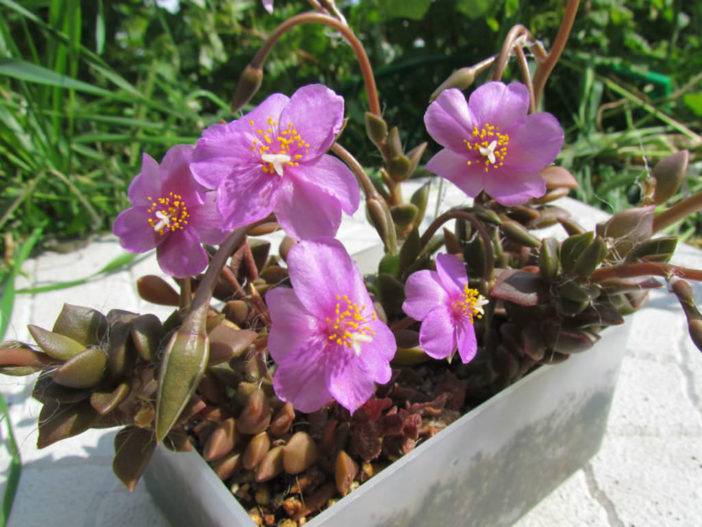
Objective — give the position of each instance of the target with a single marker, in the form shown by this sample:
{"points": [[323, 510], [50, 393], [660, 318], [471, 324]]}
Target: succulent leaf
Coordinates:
{"points": [[133, 449]]}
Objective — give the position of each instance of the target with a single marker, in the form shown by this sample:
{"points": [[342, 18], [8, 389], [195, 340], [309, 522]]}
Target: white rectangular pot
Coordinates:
{"points": [[487, 468]]}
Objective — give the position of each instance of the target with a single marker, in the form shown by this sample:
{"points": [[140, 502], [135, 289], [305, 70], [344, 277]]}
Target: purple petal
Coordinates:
{"points": [[301, 378], [448, 120], [268, 5], [176, 159], [512, 188], [452, 273], [181, 254], [454, 167], [376, 355], [248, 198], [423, 292], [347, 380], [331, 176], [317, 113], [134, 232], [320, 270], [207, 220], [305, 212], [146, 184], [221, 154], [537, 143], [467, 345], [437, 334], [499, 104], [291, 325]]}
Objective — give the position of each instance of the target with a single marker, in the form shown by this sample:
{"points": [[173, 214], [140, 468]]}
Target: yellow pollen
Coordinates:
{"points": [[489, 143], [350, 326], [170, 213], [470, 303], [279, 147]]}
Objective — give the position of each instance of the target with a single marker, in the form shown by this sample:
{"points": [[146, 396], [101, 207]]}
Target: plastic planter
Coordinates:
{"points": [[487, 468]]}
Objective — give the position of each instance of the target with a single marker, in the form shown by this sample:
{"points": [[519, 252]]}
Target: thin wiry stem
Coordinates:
{"points": [[346, 32], [544, 69]]}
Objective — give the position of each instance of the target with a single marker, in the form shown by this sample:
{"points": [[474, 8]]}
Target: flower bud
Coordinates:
{"points": [[669, 173], [248, 85], [460, 79], [376, 128], [184, 361]]}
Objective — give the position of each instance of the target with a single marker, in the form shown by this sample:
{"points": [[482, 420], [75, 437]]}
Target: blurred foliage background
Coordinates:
{"points": [[86, 87]]}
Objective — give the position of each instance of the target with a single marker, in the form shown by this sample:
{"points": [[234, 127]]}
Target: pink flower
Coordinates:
{"points": [[446, 306], [268, 5], [171, 212], [273, 159], [491, 143], [325, 334]]}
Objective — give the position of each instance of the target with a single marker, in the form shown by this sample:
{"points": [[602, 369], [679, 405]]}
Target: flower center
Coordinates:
{"points": [[349, 327], [278, 148], [470, 303], [489, 143], [169, 213]]}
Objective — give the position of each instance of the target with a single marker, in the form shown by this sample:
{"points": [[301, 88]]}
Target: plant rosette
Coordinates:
{"points": [[297, 377]]}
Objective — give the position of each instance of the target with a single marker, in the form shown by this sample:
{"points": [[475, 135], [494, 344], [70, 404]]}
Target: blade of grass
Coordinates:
{"points": [[25, 71], [15, 468], [122, 261]]}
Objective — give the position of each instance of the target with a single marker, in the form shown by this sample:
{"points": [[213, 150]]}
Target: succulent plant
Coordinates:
{"points": [[215, 375]]}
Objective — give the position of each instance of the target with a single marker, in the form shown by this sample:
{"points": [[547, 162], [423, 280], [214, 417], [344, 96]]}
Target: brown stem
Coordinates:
{"points": [[645, 269], [507, 46], [544, 69], [678, 212], [526, 75], [482, 232], [363, 180], [346, 32], [207, 284], [186, 293]]}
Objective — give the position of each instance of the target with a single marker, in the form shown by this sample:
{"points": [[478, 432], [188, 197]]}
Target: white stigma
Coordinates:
{"points": [[489, 152], [356, 339], [479, 303], [277, 161], [163, 220]]}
